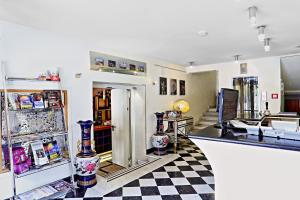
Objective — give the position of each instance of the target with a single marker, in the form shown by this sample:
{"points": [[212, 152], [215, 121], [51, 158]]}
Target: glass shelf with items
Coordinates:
{"points": [[30, 156]]}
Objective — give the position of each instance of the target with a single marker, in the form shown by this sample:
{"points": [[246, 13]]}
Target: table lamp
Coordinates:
{"points": [[181, 106]]}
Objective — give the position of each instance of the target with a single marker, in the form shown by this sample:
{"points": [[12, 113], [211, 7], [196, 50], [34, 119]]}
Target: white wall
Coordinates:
{"points": [[29, 52], [266, 69]]}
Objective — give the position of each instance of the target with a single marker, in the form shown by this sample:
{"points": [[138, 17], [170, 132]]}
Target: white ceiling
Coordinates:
{"points": [[290, 69], [166, 29]]}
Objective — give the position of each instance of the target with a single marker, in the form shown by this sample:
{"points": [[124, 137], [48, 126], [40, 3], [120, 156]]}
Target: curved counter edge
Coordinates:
{"points": [[248, 172]]}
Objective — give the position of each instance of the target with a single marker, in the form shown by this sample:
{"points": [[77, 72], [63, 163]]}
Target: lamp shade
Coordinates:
{"points": [[182, 106]]}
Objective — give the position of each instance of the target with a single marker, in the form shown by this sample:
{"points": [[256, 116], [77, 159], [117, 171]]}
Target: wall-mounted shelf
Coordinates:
{"points": [[28, 79]]}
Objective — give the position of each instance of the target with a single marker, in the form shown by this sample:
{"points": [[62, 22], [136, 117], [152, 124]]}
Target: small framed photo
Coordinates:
{"points": [[99, 61], [132, 67], [163, 88], [173, 86], [112, 63], [181, 87], [122, 65], [141, 68]]}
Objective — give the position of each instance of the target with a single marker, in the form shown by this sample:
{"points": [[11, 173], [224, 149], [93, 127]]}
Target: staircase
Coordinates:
{"points": [[209, 118]]}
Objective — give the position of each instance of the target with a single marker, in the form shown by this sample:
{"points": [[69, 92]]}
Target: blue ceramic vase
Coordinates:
{"points": [[160, 140], [86, 161]]}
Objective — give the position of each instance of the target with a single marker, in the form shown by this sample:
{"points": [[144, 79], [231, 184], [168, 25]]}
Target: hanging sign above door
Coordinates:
{"points": [[107, 63]]}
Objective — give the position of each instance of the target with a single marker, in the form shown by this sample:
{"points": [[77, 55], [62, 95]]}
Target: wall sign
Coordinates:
{"points": [[274, 96], [108, 63], [243, 68]]}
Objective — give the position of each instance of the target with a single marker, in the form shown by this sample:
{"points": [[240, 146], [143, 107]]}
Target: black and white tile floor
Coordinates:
{"points": [[189, 177]]}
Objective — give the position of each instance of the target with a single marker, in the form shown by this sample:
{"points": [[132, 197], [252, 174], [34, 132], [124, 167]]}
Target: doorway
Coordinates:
{"points": [[119, 139], [290, 86]]}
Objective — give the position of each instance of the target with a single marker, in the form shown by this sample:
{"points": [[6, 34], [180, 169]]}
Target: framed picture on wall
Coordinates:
{"points": [[181, 87], [173, 86], [163, 89]]}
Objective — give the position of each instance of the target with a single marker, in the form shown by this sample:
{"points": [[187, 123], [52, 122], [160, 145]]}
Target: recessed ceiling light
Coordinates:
{"points": [[203, 33]]}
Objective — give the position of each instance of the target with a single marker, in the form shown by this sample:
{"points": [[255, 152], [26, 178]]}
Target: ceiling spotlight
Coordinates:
{"points": [[252, 15], [267, 44], [191, 64], [261, 33], [237, 58]]}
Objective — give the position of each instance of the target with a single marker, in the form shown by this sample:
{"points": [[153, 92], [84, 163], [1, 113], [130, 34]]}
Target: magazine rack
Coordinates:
{"points": [[31, 123]]}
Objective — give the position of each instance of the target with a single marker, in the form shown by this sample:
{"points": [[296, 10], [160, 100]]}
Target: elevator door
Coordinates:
{"points": [[120, 120], [248, 97]]}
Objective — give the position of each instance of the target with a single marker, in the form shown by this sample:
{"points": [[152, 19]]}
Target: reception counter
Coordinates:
{"points": [[251, 168]]}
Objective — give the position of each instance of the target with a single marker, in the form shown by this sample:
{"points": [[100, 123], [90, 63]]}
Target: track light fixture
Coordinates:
{"points": [[237, 58], [267, 44], [261, 33], [191, 64], [252, 15]]}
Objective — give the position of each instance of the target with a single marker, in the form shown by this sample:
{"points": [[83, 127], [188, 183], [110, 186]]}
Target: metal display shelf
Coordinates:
{"points": [[35, 136], [58, 169], [45, 167]]}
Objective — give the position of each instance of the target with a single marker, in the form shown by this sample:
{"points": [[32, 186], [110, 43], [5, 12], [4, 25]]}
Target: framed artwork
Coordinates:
{"points": [[173, 86], [163, 89], [181, 87]]}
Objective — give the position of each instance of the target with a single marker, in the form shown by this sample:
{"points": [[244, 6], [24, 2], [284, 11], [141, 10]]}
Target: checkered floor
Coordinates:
{"points": [[187, 178]]}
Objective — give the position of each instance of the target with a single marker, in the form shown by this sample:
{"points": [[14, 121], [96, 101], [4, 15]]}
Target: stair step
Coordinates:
{"points": [[210, 114], [208, 123], [199, 127], [212, 109], [210, 118]]}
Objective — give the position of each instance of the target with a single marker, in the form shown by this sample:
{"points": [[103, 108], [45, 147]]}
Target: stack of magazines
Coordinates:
{"points": [[58, 188]]}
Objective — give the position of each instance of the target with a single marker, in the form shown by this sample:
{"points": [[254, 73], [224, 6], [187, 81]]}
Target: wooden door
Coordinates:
{"points": [[291, 105]]}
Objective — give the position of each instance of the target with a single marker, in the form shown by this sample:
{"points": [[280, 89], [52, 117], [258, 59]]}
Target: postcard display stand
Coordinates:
{"points": [[34, 124]]}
